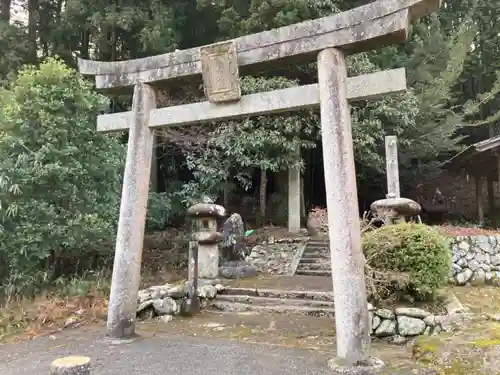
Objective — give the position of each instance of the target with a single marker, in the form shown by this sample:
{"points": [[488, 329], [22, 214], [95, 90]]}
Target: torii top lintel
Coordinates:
{"points": [[381, 22]]}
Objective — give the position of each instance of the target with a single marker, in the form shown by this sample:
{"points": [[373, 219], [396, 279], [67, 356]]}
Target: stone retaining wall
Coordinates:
{"points": [[277, 256], [166, 301], [403, 323], [476, 260]]}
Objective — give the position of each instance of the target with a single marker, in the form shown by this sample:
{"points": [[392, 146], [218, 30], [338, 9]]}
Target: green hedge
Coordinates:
{"points": [[415, 250]]}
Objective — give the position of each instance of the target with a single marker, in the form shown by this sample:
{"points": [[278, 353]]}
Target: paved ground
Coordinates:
{"points": [[296, 282], [158, 354]]}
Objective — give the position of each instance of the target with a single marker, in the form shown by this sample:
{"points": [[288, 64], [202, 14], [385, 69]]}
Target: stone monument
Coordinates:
{"points": [[326, 40], [393, 209], [204, 216], [233, 231]]}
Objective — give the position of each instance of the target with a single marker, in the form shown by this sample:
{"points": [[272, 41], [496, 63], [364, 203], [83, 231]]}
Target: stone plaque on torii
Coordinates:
{"points": [[326, 40]]}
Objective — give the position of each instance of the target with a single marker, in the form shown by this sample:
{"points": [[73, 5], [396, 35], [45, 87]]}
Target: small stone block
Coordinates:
{"points": [[340, 366], [219, 64], [190, 306], [73, 365]]}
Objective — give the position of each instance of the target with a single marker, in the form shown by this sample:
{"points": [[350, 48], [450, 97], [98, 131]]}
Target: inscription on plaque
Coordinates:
{"points": [[219, 67]]}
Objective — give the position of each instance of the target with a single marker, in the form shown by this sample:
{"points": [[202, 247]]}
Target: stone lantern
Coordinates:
{"points": [[204, 218], [395, 209]]}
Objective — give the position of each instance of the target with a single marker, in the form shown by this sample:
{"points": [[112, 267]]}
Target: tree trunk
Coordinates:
{"points": [[302, 200], [33, 13], [114, 39], [262, 196], [104, 54], [226, 194], [5, 10], [85, 44]]}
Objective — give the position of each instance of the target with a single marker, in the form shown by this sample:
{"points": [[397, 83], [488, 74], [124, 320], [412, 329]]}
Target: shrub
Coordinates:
{"points": [[417, 251], [159, 206], [59, 179]]}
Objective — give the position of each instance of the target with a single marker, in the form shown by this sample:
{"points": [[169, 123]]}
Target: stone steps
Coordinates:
{"points": [[306, 272], [315, 259], [281, 309], [320, 266], [312, 260], [280, 294], [274, 301], [271, 301]]}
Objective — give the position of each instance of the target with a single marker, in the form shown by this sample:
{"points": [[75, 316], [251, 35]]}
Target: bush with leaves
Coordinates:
{"points": [[59, 179], [159, 207], [236, 148], [419, 254]]}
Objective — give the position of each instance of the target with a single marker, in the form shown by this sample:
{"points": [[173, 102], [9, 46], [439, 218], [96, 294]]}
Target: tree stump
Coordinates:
{"points": [[73, 365]]}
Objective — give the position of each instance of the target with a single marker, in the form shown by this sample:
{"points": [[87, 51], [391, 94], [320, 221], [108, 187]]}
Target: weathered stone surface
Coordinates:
{"points": [[165, 306], [209, 210], [232, 246], [385, 313], [479, 254], [479, 277], [455, 269], [396, 206], [412, 312], [129, 238], [220, 288], [482, 258], [144, 305], [376, 322], [237, 270], [464, 245], [463, 277], [408, 326], [353, 335], [367, 86], [495, 259], [276, 258], [386, 328], [488, 277], [341, 366], [177, 291], [219, 65], [208, 261], [392, 166], [144, 295], [462, 263], [158, 292], [207, 291], [470, 255], [430, 320], [73, 365]]}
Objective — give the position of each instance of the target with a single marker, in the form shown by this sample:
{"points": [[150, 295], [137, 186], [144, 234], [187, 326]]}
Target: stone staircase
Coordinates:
{"points": [[313, 303], [315, 260]]}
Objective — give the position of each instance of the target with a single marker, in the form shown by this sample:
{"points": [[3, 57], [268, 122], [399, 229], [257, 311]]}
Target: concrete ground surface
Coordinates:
{"points": [[246, 343], [157, 354]]}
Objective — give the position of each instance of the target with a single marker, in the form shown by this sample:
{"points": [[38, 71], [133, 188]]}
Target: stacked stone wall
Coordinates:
{"points": [[476, 259]]}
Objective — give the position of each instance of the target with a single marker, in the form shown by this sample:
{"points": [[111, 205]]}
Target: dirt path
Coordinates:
{"points": [[316, 283]]}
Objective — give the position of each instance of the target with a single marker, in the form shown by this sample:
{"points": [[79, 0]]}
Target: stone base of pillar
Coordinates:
{"points": [[208, 261], [340, 366], [73, 365]]}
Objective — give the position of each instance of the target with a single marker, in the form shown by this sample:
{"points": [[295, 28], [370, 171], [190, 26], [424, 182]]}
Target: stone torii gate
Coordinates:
{"points": [[326, 40]]}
